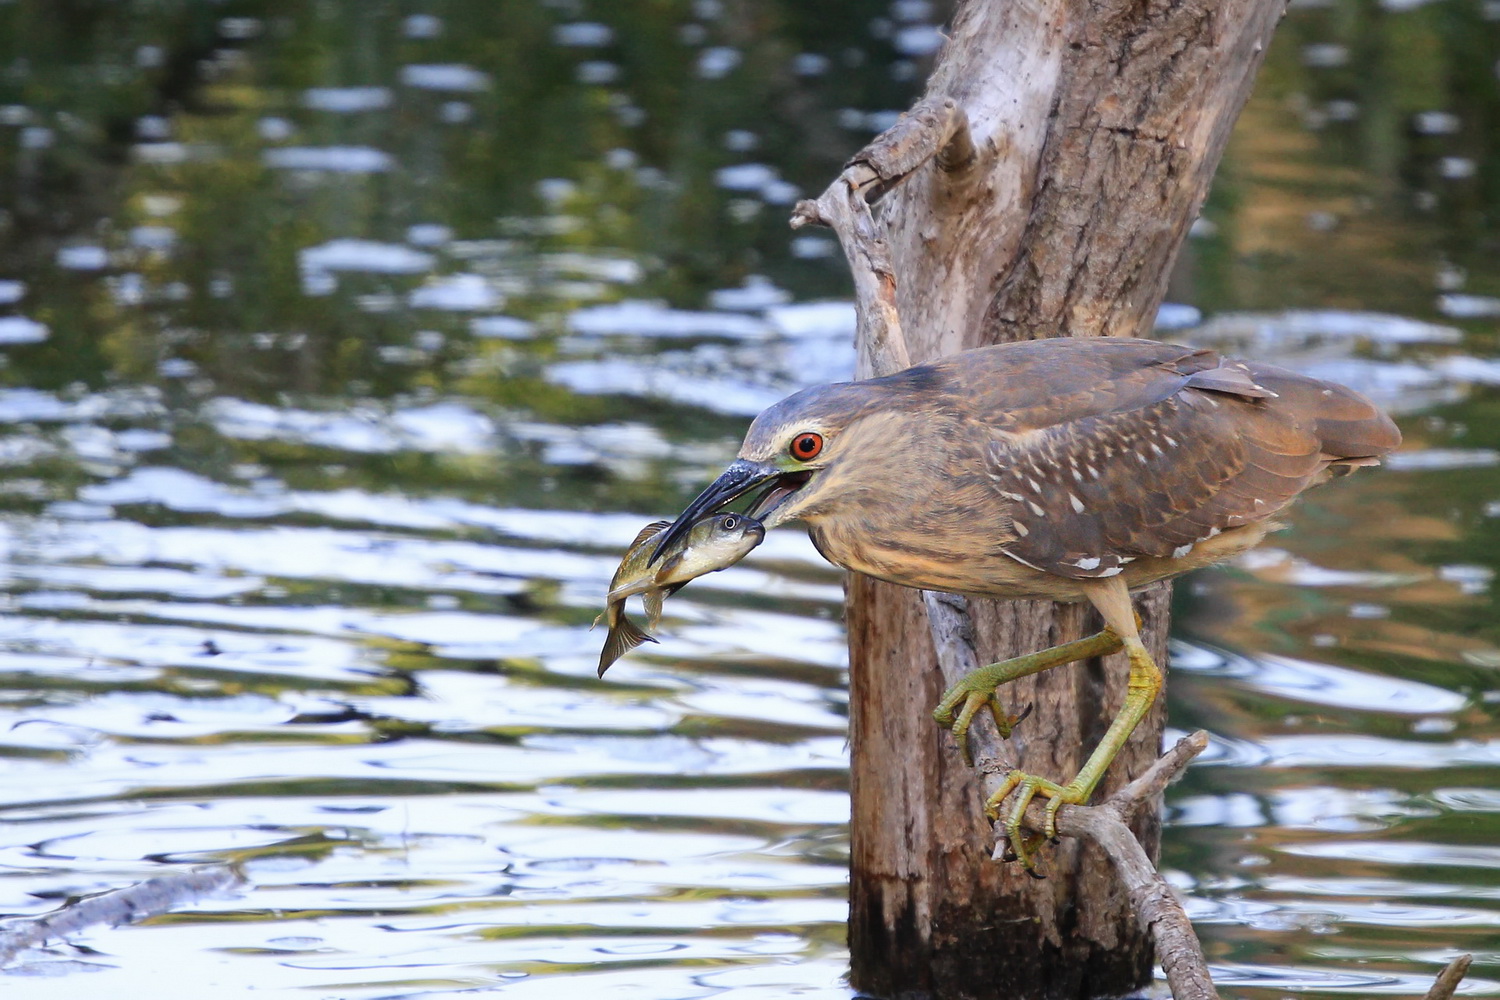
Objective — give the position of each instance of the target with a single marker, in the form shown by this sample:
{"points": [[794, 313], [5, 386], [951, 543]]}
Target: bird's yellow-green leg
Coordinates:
{"points": [[978, 689], [1113, 601]]}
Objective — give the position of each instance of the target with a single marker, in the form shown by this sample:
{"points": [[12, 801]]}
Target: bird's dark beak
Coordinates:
{"points": [[740, 478]]}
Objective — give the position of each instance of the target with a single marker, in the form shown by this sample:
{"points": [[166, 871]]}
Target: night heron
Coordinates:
{"points": [[1061, 470]]}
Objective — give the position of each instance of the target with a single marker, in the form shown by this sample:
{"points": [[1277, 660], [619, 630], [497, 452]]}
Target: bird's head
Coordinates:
{"points": [[803, 453]]}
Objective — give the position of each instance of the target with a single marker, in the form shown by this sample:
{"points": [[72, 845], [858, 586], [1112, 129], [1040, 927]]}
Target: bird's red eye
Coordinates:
{"points": [[805, 447]]}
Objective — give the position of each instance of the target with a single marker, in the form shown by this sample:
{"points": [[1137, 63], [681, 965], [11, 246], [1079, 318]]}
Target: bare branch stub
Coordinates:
{"points": [[959, 154], [1448, 980], [807, 213], [843, 209], [1151, 784], [935, 128]]}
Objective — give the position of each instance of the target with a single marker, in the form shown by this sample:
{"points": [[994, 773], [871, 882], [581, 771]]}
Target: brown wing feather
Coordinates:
{"points": [[1229, 445], [1045, 382]]}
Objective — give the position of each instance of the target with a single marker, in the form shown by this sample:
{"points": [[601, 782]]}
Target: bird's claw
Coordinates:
{"points": [[1007, 723], [973, 700], [1028, 865], [1027, 787]]}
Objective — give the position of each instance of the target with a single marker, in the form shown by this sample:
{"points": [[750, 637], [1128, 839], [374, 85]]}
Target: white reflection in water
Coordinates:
{"points": [[776, 635], [1357, 750], [347, 100], [1399, 852], [1283, 567], [1468, 799], [643, 378], [20, 330], [1230, 810], [756, 294], [1380, 888], [1278, 334], [457, 293], [330, 159], [1325, 684], [449, 426], [453, 76], [651, 319], [35, 405], [1307, 978], [506, 327], [364, 256], [1445, 458]]}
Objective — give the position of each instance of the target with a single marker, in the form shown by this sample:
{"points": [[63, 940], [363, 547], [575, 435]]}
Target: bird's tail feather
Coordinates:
{"points": [[1348, 425]]}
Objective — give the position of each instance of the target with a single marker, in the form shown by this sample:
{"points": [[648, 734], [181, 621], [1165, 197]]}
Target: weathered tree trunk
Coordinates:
{"points": [[1094, 130]]}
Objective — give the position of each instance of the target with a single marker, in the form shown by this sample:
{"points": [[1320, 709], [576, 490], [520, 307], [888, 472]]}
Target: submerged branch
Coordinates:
{"points": [[114, 907]]}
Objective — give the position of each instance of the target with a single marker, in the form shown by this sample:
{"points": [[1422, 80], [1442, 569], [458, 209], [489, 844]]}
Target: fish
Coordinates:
{"points": [[712, 543]]}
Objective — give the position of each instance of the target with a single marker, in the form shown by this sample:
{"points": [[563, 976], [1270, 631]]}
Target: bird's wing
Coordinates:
{"points": [[1089, 495], [1043, 382]]}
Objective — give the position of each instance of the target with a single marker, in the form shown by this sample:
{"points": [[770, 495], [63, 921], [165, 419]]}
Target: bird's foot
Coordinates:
{"points": [[1027, 787], [975, 692], [977, 689]]}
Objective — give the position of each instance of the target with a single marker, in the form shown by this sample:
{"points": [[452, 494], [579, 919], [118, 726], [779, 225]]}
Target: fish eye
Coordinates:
{"points": [[805, 446], [730, 522]]}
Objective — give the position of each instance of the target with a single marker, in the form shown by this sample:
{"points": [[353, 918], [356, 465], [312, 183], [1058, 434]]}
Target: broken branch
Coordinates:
{"points": [[1448, 980], [935, 127], [842, 208], [1152, 901], [1155, 906]]}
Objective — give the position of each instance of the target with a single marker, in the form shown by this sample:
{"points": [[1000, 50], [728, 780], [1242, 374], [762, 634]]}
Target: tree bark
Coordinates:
{"points": [[1077, 141]]}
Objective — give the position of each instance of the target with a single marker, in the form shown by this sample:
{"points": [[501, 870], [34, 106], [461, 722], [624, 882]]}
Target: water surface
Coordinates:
{"points": [[345, 345]]}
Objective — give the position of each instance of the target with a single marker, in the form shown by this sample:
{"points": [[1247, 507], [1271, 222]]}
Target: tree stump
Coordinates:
{"points": [[1042, 188]]}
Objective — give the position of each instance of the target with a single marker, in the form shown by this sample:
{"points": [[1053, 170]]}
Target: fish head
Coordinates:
{"points": [[713, 543], [737, 533]]}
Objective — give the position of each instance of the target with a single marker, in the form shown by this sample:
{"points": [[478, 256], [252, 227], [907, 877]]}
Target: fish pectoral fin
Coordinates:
{"points": [[668, 567], [650, 530], [624, 637]]}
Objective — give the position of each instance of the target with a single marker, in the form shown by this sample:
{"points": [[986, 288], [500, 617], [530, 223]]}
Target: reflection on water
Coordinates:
{"points": [[345, 348]]}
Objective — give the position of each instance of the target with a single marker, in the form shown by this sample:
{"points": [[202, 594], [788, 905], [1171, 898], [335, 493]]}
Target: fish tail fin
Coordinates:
{"points": [[622, 638]]}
